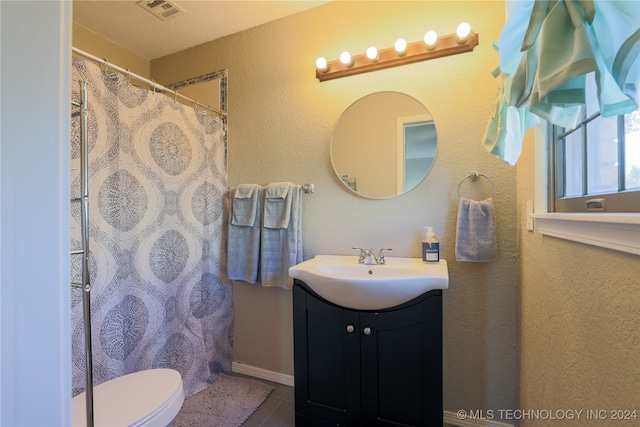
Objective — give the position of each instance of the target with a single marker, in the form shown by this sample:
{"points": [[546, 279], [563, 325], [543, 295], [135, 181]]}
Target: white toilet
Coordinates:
{"points": [[146, 398]]}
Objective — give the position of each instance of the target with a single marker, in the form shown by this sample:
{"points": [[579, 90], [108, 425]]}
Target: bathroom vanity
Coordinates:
{"points": [[367, 367]]}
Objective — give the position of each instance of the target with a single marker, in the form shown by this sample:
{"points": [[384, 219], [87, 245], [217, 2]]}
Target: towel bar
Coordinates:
{"points": [[308, 188], [473, 176]]}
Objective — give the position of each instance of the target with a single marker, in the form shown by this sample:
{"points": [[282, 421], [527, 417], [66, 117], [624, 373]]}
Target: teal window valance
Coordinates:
{"points": [[547, 47]]}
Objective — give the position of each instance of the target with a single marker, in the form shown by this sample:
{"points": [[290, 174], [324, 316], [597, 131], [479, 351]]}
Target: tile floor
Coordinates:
{"points": [[276, 411]]}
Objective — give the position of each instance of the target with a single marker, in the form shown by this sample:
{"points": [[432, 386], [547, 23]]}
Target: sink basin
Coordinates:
{"points": [[342, 281]]}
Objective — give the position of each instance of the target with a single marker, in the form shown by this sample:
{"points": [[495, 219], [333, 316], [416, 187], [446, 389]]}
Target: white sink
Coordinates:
{"points": [[342, 281]]}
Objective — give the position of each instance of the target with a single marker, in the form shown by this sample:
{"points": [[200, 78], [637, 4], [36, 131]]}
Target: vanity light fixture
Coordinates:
{"points": [[372, 53], [463, 31], [430, 39], [400, 46], [321, 64], [433, 46], [345, 59]]}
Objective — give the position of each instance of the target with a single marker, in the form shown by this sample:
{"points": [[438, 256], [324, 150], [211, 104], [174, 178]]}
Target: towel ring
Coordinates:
{"points": [[473, 176]]}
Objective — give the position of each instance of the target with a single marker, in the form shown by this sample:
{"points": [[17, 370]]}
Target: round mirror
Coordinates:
{"points": [[383, 145]]}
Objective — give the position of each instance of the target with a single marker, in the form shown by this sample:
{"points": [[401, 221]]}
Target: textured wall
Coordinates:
{"points": [[280, 124], [88, 41], [579, 328]]}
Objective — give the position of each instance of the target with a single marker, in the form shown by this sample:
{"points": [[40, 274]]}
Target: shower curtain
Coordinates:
{"points": [[157, 176]]}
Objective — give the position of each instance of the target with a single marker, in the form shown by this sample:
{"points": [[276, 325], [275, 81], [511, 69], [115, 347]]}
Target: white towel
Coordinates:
{"points": [[476, 231], [245, 204], [277, 204], [281, 245], [243, 241]]}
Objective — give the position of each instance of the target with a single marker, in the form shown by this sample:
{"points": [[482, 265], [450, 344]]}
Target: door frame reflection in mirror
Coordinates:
{"points": [[367, 149], [416, 150]]}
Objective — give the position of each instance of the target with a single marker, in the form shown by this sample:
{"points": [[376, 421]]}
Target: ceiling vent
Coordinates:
{"points": [[161, 9]]}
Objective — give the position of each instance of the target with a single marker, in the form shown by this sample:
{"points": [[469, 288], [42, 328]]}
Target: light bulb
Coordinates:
{"points": [[400, 46], [321, 64], [345, 58], [431, 38], [463, 31], [372, 53]]}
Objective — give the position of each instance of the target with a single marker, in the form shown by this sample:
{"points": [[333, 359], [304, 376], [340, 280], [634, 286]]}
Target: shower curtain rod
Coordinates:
{"points": [[153, 84]]}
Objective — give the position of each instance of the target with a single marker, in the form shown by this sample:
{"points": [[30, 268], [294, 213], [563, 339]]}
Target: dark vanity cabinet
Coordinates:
{"points": [[367, 368]]}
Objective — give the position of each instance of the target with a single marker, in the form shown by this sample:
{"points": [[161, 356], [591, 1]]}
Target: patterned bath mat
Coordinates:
{"points": [[227, 403]]}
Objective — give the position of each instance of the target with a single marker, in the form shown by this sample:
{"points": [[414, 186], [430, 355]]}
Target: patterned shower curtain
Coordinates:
{"points": [[157, 176]]}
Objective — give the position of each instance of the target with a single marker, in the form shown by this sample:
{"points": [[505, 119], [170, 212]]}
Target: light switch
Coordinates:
{"points": [[529, 215]]}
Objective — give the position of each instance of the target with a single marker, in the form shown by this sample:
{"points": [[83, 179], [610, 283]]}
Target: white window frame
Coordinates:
{"points": [[617, 231]]}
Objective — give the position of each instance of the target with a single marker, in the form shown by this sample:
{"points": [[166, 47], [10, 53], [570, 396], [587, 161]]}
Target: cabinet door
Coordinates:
{"points": [[327, 362], [402, 366]]}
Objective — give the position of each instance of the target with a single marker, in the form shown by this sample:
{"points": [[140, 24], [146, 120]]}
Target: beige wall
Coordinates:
{"points": [[580, 325], [280, 123], [88, 41]]}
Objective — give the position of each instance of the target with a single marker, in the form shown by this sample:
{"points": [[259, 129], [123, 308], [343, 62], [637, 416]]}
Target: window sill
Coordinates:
{"points": [[620, 232], [617, 231]]}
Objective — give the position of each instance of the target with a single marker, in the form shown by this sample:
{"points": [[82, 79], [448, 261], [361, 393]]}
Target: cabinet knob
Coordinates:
{"points": [[367, 331], [350, 328]]}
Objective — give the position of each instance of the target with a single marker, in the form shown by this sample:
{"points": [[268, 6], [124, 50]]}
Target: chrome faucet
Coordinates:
{"points": [[380, 258], [368, 258]]}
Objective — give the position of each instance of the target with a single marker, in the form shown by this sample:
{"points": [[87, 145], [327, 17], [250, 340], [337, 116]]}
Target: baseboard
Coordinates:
{"points": [[459, 419], [264, 374]]}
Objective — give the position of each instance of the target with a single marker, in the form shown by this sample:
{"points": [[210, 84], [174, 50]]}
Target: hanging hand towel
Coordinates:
{"points": [[243, 241], [476, 231], [245, 203], [281, 244], [277, 206]]}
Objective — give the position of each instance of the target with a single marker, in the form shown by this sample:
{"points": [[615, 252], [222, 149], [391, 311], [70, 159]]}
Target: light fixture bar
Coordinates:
{"points": [[387, 58]]}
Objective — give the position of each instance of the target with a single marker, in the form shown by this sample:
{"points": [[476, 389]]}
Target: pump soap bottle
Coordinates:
{"points": [[430, 246]]}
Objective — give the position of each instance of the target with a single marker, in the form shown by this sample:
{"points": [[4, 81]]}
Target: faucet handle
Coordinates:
{"points": [[365, 254], [380, 258], [361, 251], [361, 256], [364, 251]]}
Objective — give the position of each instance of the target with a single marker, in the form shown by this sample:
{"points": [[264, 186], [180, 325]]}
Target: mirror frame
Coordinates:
{"points": [[221, 76], [349, 184]]}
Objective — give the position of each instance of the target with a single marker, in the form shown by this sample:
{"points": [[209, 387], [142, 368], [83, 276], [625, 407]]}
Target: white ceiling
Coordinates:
{"points": [[128, 25]]}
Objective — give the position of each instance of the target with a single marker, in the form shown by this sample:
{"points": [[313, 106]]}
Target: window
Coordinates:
{"points": [[595, 167], [558, 183]]}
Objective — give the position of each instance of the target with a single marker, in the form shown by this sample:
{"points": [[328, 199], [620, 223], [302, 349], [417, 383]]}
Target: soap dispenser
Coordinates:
{"points": [[430, 246]]}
